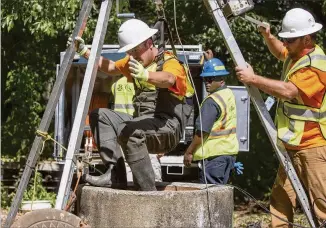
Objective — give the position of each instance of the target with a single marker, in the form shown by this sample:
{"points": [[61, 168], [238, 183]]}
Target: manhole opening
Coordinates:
{"points": [[160, 186], [167, 188], [170, 188]]}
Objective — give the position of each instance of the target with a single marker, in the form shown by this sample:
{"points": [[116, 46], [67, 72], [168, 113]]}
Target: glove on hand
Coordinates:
{"points": [[80, 46], [137, 70], [238, 166]]}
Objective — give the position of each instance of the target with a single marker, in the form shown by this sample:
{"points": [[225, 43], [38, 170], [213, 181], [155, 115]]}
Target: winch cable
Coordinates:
{"points": [[200, 117]]}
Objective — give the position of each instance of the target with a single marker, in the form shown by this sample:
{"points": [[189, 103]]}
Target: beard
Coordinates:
{"points": [[291, 54]]}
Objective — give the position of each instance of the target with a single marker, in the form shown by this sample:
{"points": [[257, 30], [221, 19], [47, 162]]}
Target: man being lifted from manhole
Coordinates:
{"points": [[160, 108]]}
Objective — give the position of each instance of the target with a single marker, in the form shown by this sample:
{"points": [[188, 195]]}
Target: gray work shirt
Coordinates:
{"points": [[210, 112]]}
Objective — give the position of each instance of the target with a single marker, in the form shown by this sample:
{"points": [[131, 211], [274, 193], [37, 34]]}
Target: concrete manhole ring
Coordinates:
{"points": [[173, 205], [48, 218]]}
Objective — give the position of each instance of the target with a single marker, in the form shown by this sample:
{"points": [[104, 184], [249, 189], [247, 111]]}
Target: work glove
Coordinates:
{"points": [[137, 70], [80, 46], [265, 31], [238, 166]]}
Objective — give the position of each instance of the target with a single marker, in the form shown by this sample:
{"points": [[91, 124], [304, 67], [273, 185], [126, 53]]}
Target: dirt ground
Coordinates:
{"points": [[244, 217]]}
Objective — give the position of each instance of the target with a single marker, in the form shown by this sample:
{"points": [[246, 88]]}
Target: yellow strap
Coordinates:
{"points": [[47, 137]]}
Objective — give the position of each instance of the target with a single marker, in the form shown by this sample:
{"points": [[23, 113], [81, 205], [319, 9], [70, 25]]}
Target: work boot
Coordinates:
{"points": [[143, 174], [104, 180]]}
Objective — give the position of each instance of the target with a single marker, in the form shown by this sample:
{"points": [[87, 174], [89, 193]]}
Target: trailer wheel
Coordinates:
{"points": [[48, 218]]}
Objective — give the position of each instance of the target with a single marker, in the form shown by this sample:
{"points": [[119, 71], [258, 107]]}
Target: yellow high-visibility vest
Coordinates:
{"points": [[292, 115], [222, 139], [123, 92]]}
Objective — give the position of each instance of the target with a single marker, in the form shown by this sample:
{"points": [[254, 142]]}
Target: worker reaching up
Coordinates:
{"points": [[300, 117], [160, 108], [215, 143]]}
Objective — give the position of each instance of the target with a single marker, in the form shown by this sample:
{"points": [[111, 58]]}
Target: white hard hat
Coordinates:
{"points": [[298, 22], [132, 33]]}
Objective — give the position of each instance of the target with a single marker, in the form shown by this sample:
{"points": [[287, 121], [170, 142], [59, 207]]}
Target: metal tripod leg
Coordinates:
{"points": [[49, 111], [83, 103], [259, 104]]}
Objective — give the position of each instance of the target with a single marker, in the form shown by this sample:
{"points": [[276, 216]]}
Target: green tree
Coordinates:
{"points": [[33, 35]]}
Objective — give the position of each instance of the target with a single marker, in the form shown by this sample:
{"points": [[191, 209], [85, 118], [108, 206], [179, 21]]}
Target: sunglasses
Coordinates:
{"points": [[136, 49], [210, 79], [290, 40]]}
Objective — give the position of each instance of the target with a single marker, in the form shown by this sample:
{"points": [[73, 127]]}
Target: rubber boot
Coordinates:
{"points": [[120, 172], [143, 174], [104, 180]]}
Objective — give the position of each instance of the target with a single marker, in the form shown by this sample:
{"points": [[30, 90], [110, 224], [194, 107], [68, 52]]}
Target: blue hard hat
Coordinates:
{"points": [[214, 67]]}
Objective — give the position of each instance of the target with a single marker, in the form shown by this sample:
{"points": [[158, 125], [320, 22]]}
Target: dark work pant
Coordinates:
{"points": [[104, 124], [217, 169], [143, 135], [138, 137]]}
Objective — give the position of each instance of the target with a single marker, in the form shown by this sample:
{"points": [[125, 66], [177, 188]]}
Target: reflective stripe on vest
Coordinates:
{"points": [[223, 132], [123, 92], [291, 116], [123, 106], [222, 139]]}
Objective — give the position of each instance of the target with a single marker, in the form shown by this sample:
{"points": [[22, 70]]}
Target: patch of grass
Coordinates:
{"points": [[247, 219]]}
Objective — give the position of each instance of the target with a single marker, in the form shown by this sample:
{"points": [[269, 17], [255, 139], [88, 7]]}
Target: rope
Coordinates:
{"points": [[46, 137], [73, 195]]}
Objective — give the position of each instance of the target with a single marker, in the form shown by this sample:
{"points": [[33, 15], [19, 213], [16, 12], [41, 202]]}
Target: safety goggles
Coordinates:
{"points": [[210, 79]]}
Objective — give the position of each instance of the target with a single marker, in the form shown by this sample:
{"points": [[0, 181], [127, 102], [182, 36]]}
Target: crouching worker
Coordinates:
{"points": [[216, 128]]}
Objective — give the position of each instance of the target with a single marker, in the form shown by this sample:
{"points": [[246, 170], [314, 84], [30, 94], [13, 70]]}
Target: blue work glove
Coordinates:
{"points": [[238, 166]]}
